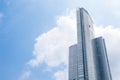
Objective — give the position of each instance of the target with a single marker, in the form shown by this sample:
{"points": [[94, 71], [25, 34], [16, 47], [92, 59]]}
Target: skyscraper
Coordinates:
{"points": [[88, 58]]}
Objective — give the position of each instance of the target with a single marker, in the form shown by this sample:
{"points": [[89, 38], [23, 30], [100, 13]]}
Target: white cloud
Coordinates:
{"points": [[52, 47], [61, 75], [25, 75]]}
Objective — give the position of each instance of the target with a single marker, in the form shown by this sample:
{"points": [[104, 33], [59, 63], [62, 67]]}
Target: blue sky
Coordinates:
{"points": [[28, 28]]}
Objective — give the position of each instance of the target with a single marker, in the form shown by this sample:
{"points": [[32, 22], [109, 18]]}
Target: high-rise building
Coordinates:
{"points": [[88, 58]]}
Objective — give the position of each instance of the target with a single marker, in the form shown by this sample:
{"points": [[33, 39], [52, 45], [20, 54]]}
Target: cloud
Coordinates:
{"points": [[25, 75], [61, 75], [51, 48]]}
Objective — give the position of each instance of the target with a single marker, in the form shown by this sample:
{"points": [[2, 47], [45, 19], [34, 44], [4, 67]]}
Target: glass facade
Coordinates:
{"points": [[101, 59], [83, 59]]}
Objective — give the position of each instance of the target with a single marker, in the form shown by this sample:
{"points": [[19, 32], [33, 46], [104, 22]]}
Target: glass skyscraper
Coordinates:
{"points": [[88, 58]]}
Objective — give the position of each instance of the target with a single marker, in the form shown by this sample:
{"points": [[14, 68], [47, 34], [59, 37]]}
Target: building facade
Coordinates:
{"points": [[88, 58]]}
